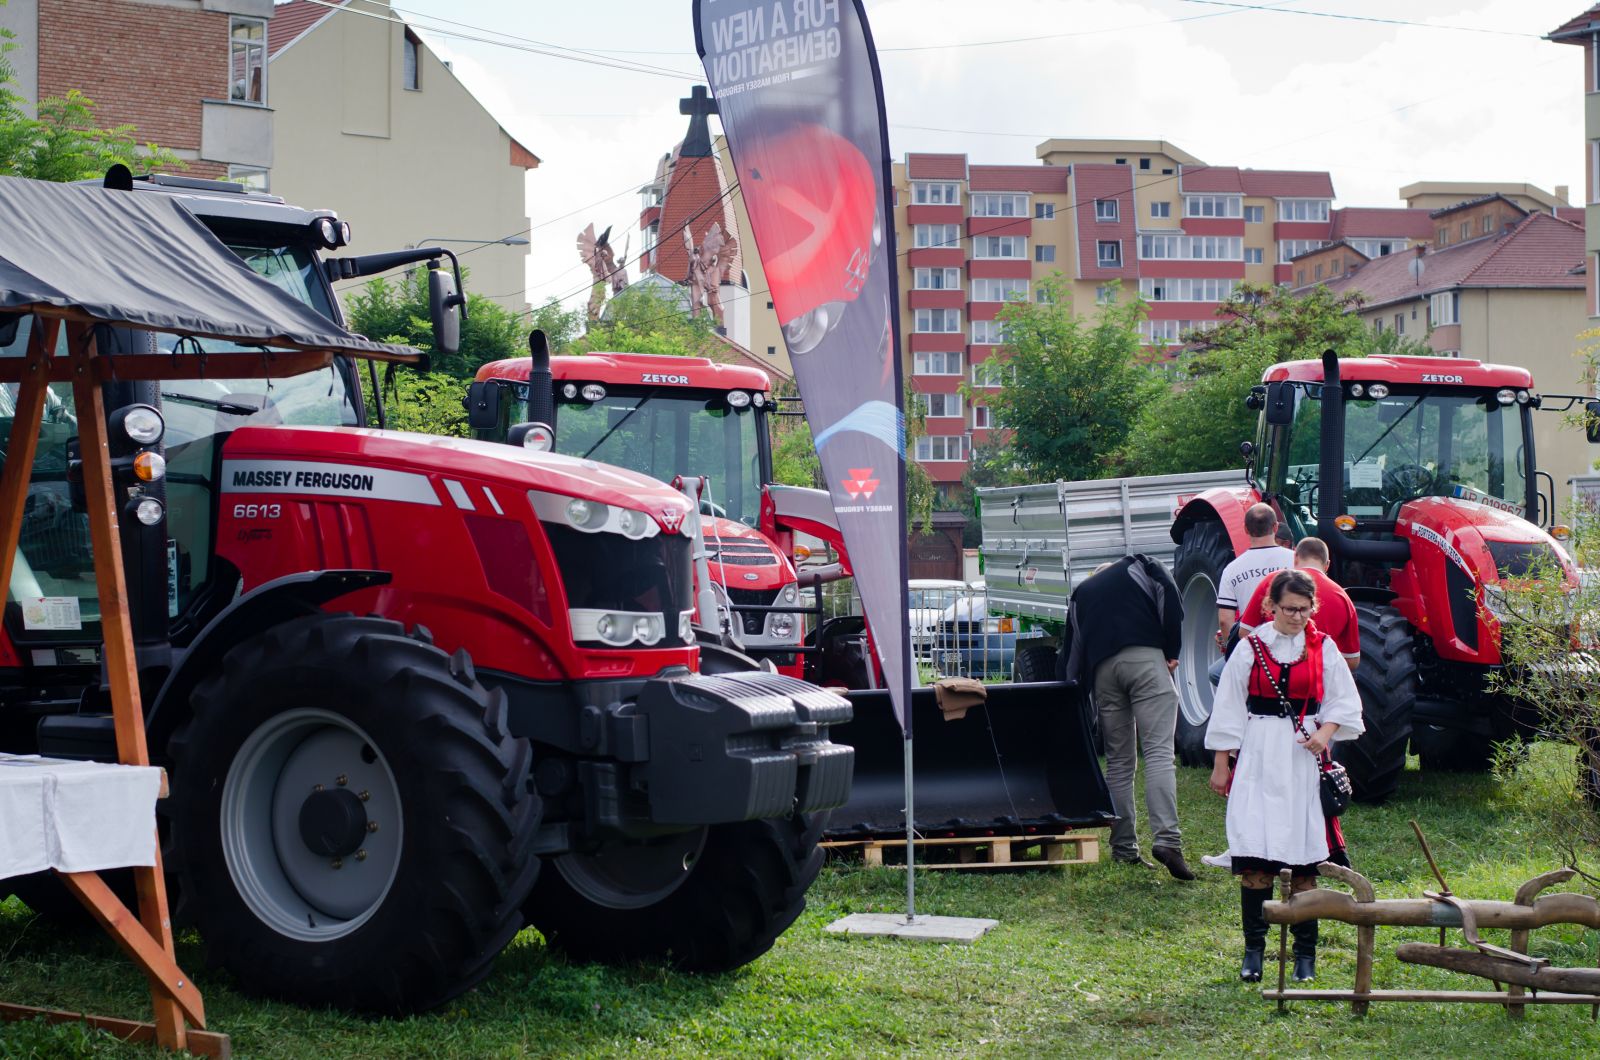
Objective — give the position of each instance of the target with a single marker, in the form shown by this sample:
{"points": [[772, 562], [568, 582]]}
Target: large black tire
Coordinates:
{"points": [[1387, 680], [1036, 662], [1197, 565], [745, 884], [414, 731], [1451, 750]]}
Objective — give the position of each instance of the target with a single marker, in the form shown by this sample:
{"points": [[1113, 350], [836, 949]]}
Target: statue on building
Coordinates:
{"points": [[597, 253], [708, 266]]}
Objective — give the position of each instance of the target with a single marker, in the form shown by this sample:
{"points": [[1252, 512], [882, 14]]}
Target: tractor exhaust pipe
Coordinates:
{"points": [[541, 384], [1330, 479]]}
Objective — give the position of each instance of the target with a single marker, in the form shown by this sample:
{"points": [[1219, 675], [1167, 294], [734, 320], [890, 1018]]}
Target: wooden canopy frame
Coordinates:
{"points": [[146, 939]]}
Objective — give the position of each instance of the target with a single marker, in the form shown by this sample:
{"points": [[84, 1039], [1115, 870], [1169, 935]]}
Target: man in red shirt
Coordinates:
{"points": [[1335, 615]]}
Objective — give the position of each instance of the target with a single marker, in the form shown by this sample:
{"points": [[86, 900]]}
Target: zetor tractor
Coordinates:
{"points": [[1419, 473], [413, 692], [669, 417]]}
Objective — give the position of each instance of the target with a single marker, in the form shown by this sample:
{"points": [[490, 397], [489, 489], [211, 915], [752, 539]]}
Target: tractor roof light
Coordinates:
{"points": [[1356, 390], [1378, 390], [739, 399], [143, 424], [569, 391], [758, 399], [593, 392], [149, 467], [1346, 523], [1506, 396], [1523, 397]]}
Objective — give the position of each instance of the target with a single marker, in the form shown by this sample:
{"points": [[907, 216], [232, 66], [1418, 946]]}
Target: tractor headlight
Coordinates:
{"points": [[782, 626], [1378, 391], [569, 391], [631, 523], [143, 425], [593, 392], [790, 593], [1523, 397], [1506, 396], [587, 515], [606, 626], [647, 629], [739, 399], [149, 511], [1356, 390]]}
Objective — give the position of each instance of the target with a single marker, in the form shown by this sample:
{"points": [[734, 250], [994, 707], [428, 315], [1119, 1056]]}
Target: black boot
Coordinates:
{"points": [[1305, 950], [1251, 899]]}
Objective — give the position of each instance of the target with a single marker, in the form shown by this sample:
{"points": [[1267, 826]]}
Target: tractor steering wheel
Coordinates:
{"points": [[1406, 481]]}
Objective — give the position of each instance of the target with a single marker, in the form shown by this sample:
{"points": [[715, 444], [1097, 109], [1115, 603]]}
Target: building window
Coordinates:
{"points": [[1399, 323], [1212, 205], [1466, 229], [772, 351], [1377, 325], [992, 373], [936, 362], [937, 321], [1105, 294], [1375, 248], [1253, 255], [1043, 295], [1186, 289], [1161, 209], [1594, 168], [940, 404], [1318, 271], [980, 418], [1302, 209], [1337, 267], [1289, 249], [411, 63], [936, 235], [1122, 161], [1106, 210], [1192, 248], [1045, 252], [1044, 211], [948, 447], [1443, 235], [933, 280], [1108, 253], [990, 290], [988, 332], [935, 193], [999, 247], [1445, 308], [247, 60], [1155, 331], [1144, 163], [252, 177], [1299, 277], [1254, 215], [992, 204]]}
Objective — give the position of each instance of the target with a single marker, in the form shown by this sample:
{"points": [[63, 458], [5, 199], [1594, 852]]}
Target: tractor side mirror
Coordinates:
{"points": [[1591, 423], [444, 309], [483, 405], [1280, 404]]}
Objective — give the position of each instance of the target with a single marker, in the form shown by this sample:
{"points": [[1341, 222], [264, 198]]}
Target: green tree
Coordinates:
{"points": [[645, 320], [395, 309], [1197, 424], [1076, 385]]}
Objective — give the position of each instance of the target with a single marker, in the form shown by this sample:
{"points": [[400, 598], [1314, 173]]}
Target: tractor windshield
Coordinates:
{"points": [[664, 433], [1414, 442]]}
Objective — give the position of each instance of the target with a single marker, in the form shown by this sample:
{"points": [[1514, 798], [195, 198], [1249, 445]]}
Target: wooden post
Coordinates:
{"points": [[1284, 879], [1366, 934], [121, 667], [24, 440]]}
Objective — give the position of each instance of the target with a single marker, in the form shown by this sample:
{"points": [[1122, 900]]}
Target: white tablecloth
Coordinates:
{"points": [[75, 816]]}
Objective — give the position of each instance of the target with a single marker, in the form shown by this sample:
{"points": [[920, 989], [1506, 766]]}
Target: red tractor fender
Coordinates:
{"points": [[1225, 504]]}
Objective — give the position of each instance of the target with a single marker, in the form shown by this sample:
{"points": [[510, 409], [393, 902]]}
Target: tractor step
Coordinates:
{"points": [[977, 852]]}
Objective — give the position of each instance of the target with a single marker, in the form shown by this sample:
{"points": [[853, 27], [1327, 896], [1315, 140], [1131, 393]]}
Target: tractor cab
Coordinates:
{"points": [[1409, 430]]}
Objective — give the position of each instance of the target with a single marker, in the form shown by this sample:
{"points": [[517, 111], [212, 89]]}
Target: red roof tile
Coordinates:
{"points": [[1574, 30], [1574, 214], [1538, 252], [1216, 180], [1467, 204], [1287, 184], [290, 22], [936, 167], [1048, 179], [1357, 222]]}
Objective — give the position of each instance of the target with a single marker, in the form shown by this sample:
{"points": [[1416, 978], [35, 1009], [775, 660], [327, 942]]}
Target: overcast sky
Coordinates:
{"points": [[1472, 93]]}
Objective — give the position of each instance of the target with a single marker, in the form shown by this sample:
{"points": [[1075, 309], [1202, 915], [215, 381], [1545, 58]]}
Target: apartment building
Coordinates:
{"points": [[190, 75], [1584, 31], [1136, 216]]}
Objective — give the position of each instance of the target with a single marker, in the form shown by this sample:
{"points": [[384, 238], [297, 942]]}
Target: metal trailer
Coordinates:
{"points": [[1039, 541]]}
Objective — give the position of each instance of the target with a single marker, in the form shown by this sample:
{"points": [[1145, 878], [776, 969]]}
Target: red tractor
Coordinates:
{"points": [[413, 692], [1419, 473]]}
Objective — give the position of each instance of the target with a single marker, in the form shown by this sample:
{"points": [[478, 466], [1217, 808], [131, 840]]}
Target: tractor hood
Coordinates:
{"points": [[430, 469], [1458, 548], [741, 558]]}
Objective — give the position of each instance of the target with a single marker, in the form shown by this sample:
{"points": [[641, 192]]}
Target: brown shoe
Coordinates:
{"points": [[1172, 858]]}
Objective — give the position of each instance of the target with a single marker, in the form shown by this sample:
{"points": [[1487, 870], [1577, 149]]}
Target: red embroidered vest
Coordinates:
{"points": [[1304, 676]]}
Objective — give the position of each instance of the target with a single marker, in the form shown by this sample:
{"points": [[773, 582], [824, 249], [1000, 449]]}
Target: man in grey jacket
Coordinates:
{"points": [[1127, 624]]}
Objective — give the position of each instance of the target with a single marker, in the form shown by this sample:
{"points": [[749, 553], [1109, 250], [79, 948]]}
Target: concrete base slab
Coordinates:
{"points": [[930, 928]]}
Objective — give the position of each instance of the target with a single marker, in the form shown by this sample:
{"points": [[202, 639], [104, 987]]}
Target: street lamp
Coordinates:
{"points": [[510, 241]]}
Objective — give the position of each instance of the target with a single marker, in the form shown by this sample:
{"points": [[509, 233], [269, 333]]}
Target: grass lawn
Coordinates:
{"points": [[1103, 958]]}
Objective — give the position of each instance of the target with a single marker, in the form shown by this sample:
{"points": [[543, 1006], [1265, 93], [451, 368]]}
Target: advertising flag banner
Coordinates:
{"points": [[797, 86]]}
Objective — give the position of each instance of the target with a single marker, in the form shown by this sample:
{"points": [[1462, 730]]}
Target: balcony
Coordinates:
{"points": [[235, 133]]}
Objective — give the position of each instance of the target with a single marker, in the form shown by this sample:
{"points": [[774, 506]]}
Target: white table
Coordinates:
{"points": [[75, 816]]}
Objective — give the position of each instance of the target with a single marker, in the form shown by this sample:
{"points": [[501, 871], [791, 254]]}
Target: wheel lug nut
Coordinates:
{"points": [[343, 780], [365, 795], [316, 787], [361, 855], [338, 863], [372, 826]]}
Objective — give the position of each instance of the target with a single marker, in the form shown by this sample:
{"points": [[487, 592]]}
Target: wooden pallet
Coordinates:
{"points": [[980, 852]]}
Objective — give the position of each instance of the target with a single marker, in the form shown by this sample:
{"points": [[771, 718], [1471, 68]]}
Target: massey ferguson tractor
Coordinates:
{"points": [[412, 692], [1419, 473]]}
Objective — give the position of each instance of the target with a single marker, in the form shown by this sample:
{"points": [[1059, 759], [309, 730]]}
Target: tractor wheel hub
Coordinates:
{"points": [[333, 822]]}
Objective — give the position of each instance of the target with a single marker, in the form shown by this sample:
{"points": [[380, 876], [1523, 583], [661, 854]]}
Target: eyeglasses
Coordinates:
{"points": [[1294, 612]]}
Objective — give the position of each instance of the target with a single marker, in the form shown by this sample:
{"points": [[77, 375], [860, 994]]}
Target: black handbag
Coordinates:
{"points": [[1333, 780]]}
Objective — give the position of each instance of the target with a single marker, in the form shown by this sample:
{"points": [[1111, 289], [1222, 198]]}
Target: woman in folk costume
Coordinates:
{"points": [[1284, 696]]}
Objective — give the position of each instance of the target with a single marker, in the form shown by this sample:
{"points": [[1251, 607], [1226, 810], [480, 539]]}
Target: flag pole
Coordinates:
{"points": [[911, 829]]}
